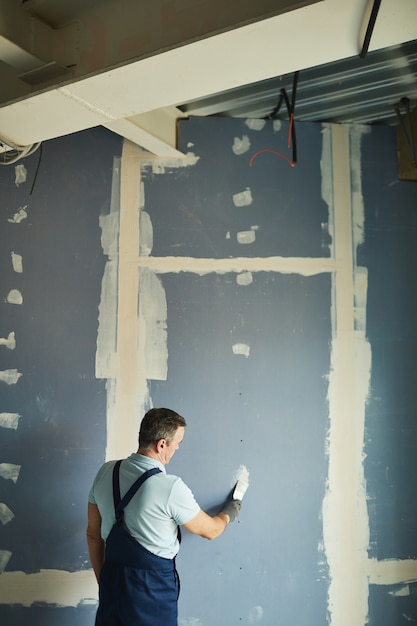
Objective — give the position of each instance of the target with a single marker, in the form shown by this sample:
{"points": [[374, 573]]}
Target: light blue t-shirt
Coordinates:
{"points": [[162, 503]]}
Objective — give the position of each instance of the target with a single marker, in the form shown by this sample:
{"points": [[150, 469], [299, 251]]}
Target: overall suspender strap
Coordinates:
{"points": [[121, 503], [116, 485]]}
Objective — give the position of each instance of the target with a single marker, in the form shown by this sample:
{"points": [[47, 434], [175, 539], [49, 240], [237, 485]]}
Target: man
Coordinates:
{"points": [[133, 534]]}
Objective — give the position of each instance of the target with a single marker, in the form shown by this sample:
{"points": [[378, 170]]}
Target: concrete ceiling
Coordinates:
{"points": [[127, 65]]}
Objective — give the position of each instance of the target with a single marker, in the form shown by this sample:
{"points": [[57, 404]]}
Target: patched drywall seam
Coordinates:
{"points": [[345, 514], [345, 519], [127, 382], [389, 571], [152, 338], [55, 587], [107, 320]]}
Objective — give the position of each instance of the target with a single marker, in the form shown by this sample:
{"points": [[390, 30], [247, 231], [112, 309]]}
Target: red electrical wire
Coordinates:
{"points": [[291, 138], [290, 130], [253, 157]]}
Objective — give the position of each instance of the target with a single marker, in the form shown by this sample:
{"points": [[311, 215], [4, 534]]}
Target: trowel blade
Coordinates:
{"points": [[240, 489]]}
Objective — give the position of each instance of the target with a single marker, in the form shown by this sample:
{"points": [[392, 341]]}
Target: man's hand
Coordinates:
{"points": [[232, 509]]}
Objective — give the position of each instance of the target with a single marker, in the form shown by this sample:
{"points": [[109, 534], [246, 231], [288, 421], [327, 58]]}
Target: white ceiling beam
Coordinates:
{"points": [[155, 131], [317, 34]]}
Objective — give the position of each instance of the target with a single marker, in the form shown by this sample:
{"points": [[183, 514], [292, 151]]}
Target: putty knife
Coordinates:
{"points": [[240, 489]]}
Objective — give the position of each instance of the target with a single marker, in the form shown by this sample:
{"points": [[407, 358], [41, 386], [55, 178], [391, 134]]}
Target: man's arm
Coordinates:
{"points": [[94, 541], [211, 527], [206, 526]]}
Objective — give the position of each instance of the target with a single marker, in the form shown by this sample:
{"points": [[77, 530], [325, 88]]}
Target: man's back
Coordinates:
{"points": [[162, 504]]}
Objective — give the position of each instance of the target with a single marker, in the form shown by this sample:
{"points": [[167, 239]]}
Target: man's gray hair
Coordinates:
{"points": [[159, 424]]}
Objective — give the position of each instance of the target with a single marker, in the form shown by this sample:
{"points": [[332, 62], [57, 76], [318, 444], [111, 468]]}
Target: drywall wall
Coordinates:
{"points": [[246, 294], [208, 344], [52, 406], [389, 253]]}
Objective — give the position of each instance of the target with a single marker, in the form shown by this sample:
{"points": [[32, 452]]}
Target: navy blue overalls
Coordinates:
{"points": [[137, 588]]}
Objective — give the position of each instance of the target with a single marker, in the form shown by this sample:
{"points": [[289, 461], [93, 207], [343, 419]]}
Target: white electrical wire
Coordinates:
{"points": [[16, 152]]}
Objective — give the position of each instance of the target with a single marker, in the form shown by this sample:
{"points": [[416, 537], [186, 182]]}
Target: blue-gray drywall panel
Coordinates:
{"points": [[61, 437], [267, 412], [192, 208], [392, 605], [390, 254]]}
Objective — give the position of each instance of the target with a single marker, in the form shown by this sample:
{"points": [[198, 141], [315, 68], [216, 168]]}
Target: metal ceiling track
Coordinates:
{"points": [[354, 90]]}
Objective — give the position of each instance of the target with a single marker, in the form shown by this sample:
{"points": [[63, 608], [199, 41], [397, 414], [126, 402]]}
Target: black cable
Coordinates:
{"points": [[291, 122], [276, 110], [290, 109], [293, 134], [370, 29], [283, 97], [37, 170], [294, 91]]}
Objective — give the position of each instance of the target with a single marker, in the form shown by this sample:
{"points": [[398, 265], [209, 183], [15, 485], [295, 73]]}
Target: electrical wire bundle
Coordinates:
{"points": [[13, 153], [291, 139], [283, 97]]}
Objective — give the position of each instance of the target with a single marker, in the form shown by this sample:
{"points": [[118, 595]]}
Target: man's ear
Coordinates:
{"points": [[160, 445]]}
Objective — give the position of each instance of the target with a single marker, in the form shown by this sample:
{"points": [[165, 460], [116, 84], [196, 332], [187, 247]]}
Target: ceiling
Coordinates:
{"points": [[354, 90], [136, 66]]}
